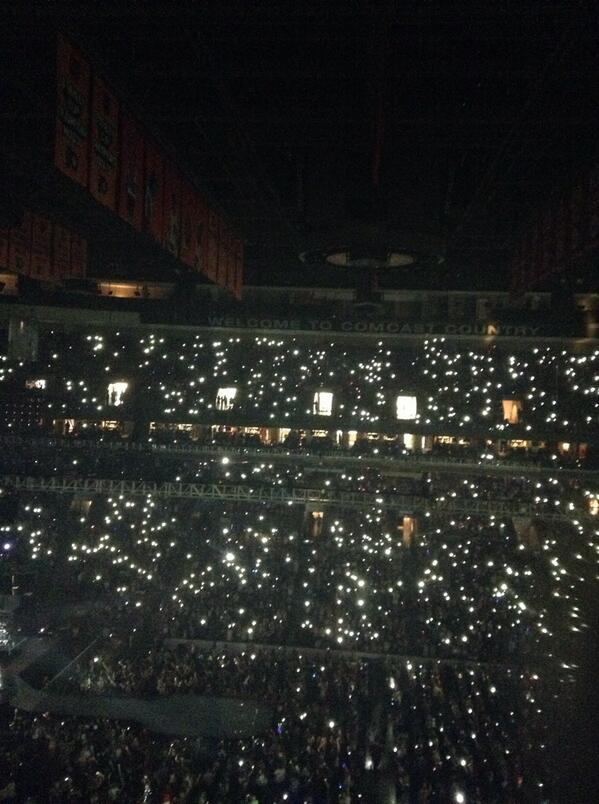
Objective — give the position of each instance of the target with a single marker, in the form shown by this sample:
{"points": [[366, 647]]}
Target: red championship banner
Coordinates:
{"points": [[78, 256], [61, 253], [199, 232], [211, 259], [3, 248], [223, 256], [171, 235], [231, 262], [187, 245], [130, 206], [238, 284], [72, 112], [41, 247], [19, 247], [103, 163], [153, 192]]}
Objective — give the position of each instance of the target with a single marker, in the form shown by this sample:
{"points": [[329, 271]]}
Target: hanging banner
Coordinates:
{"points": [[103, 166], [153, 192], [222, 261], [187, 245], [71, 144], [231, 263], [199, 232], [3, 248], [41, 247], [78, 268], [19, 248], [171, 235], [238, 283], [130, 206], [61, 252], [211, 257]]}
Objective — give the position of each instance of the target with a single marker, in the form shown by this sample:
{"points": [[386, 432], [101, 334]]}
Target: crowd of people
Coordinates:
{"points": [[340, 726], [393, 648], [279, 379], [364, 579]]}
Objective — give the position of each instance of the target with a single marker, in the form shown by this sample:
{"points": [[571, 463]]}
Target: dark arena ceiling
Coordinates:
{"points": [[438, 126]]}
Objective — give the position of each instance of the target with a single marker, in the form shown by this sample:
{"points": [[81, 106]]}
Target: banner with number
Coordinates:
{"points": [[19, 249], [71, 144], [78, 267], [103, 166], [61, 253], [171, 235], [187, 244], [3, 248], [223, 256], [569, 230], [238, 282], [211, 255], [100, 146], [200, 232], [231, 262], [41, 247], [194, 213], [153, 192], [130, 205]]}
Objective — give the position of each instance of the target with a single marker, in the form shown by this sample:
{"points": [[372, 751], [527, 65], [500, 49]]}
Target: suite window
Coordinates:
{"points": [[408, 528], [35, 385], [80, 505], [323, 403], [116, 392], [316, 523], [225, 398], [406, 407], [512, 410]]}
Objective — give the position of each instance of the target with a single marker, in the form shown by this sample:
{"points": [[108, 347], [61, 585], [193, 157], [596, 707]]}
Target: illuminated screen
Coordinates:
{"points": [[225, 398], [37, 385], [406, 407], [116, 392], [323, 403], [511, 410]]}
